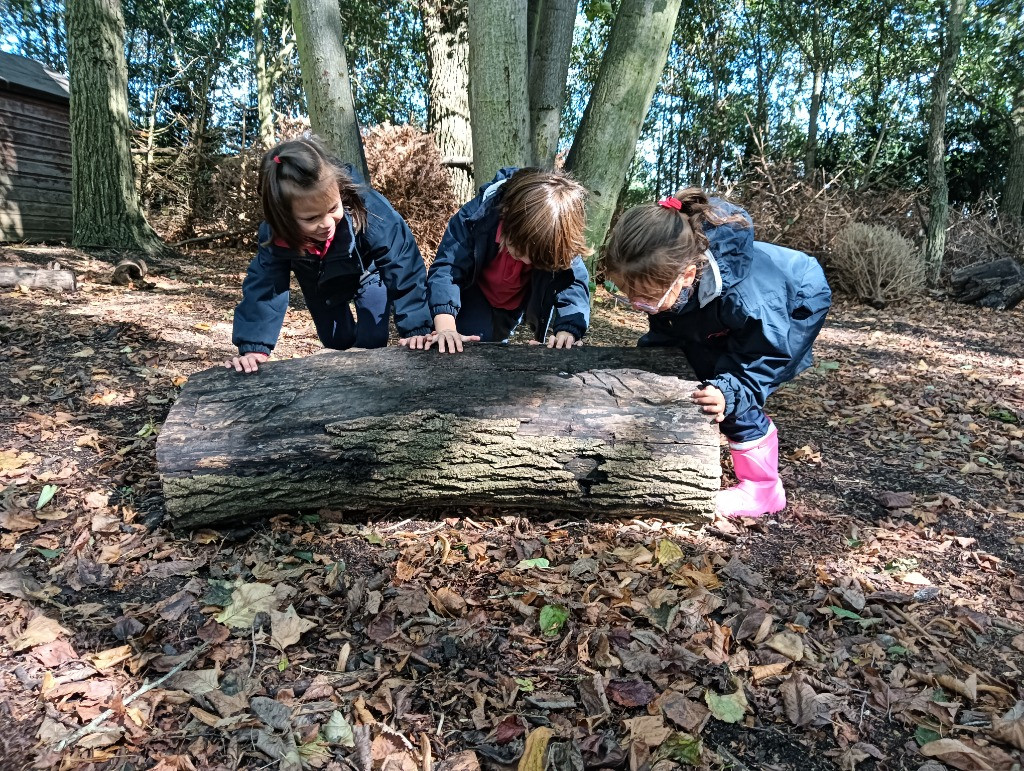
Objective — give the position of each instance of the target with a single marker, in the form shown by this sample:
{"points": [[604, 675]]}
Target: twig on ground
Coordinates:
{"points": [[95, 723]]}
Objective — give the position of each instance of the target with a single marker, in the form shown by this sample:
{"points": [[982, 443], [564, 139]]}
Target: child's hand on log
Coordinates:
{"points": [[712, 400], [450, 341], [248, 362], [416, 342], [560, 340]]}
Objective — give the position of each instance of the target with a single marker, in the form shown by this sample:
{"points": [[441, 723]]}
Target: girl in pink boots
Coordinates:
{"points": [[744, 312]]}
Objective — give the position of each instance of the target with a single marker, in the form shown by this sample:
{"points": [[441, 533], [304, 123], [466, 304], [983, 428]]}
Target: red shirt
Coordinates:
{"points": [[310, 248], [505, 279]]}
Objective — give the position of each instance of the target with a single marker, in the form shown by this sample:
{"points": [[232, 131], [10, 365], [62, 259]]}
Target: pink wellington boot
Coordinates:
{"points": [[759, 491]]}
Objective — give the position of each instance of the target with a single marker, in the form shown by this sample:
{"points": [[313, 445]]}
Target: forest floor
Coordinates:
{"points": [[876, 623]]}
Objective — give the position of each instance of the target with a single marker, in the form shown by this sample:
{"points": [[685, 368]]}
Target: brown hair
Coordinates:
{"points": [[544, 218], [652, 244], [299, 167]]}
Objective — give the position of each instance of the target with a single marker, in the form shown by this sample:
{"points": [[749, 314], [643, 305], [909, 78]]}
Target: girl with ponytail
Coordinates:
{"points": [[745, 313]]}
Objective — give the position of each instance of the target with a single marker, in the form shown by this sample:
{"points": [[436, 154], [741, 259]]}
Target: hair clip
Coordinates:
{"points": [[277, 159], [671, 202]]}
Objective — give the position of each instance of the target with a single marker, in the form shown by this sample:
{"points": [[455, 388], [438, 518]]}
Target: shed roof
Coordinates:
{"points": [[21, 75]]}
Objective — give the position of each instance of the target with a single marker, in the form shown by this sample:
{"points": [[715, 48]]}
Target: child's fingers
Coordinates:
{"points": [[535, 342]]}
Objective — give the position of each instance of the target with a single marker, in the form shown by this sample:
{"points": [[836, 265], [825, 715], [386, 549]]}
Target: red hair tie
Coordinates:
{"points": [[671, 202], [277, 159]]}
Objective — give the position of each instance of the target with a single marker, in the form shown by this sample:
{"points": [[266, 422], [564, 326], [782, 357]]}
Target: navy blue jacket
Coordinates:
{"points": [[385, 245], [743, 329], [468, 245]]}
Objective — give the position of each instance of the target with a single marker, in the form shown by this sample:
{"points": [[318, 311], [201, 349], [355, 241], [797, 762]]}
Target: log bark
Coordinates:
{"points": [[600, 432], [998, 284], [38, 278]]}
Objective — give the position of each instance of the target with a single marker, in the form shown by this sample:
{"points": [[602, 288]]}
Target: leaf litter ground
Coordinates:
{"points": [[876, 624]]}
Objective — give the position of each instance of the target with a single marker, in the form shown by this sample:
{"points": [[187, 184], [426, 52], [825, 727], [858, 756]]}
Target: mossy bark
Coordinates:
{"points": [[595, 432]]}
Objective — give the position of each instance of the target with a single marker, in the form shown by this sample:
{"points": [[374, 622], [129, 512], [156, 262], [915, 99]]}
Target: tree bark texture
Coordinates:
{"points": [[1012, 202], [550, 50], [320, 38], [498, 97], [811, 149], [38, 278], [264, 83], [445, 23], [104, 202], [592, 431], [938, 209], [630, 70]]}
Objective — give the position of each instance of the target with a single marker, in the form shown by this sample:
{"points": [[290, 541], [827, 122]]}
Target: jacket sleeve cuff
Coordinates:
{"points": [[729, 391], [575, 329], [424, 330], [244, 348], [451, 310]]}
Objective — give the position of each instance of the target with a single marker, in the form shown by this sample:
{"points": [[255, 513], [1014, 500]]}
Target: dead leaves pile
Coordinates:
{"points": [[506, 643]]}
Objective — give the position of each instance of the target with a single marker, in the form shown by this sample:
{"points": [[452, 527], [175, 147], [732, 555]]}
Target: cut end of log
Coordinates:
{"points": [[129, 270]]}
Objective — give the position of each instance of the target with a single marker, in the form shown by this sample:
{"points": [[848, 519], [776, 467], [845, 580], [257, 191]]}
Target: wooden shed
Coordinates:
{"points": [[35, 152]]}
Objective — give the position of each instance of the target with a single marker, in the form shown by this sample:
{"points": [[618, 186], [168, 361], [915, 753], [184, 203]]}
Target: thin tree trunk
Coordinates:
{"points": [[935, 247], [445, 24], [1012, 201], [630, 70], [498, 96], [549, 67], [811, 150], [104, 202], [264, 84], [332, 114]]}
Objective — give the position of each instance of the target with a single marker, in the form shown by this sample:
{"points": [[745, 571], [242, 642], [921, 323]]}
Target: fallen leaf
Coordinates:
{"points": [[799, 700], [1010, 727], [729, 708], [682, 748], [552, 619], [46, 495], [337, 730], [110, 657], [631, 693], [286, 628], [246, 601], [957, 754], [40, 630], [536, 746], [789, 644]]}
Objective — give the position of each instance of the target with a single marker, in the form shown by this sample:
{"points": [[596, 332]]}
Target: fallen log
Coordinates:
{"points": [[601, 432], [998, 284], [38, 278]]}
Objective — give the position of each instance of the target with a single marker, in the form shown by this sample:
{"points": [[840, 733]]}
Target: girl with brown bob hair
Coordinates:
{"points": [[513, 253], [345, 244], [745, 313]]}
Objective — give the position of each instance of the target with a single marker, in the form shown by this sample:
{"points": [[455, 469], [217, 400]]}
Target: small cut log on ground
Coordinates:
{"points": [[595, 432], [998, 284], [38, 278]]}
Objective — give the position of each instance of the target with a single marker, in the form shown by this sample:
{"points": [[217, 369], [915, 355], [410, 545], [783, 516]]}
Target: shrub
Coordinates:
{"points": [[876, 264]]}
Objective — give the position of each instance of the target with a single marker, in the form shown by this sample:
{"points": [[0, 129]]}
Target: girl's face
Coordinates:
{"points": [[646, 298], [318, 212]]}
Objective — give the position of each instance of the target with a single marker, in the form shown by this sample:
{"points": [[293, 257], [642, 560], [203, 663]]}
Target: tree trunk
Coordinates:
{"points": [[445, 24], [332, 115], [811, 149], [1012, 202], [549, 66], [630, 70], [498, 98], [593, 431], [104, 202], [938, 209], [264, 83]]}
